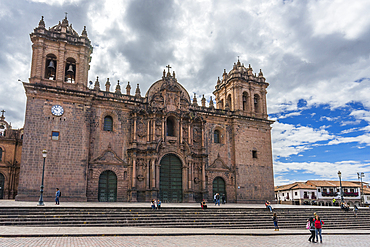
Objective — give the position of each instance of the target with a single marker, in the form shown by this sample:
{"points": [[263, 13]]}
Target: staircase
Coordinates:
{"points": [[245, 218]]}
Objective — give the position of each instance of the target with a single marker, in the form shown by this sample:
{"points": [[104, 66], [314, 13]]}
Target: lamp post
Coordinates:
{"points": [[41, 201], [360, 176], [340, 184]]}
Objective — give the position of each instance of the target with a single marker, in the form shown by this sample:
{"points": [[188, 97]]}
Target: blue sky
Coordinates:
{"points": [[315, 55]]}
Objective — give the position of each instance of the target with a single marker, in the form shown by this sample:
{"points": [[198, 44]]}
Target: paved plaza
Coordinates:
{"points": [[328, 240]]}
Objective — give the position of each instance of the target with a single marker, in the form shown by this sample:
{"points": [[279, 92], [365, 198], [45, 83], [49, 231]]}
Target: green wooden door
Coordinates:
{"points": [[170, 183], [2, 180], [107, 187], [219, 187]]}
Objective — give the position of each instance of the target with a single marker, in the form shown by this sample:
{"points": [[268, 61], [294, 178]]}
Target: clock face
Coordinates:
{"points": [[57, 110]]}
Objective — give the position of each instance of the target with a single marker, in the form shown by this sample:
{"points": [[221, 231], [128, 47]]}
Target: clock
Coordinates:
{"points": [[57, 110]]}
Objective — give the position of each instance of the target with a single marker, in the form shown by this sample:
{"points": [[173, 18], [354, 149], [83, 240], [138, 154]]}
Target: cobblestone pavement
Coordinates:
{"points": [[208, 240]]}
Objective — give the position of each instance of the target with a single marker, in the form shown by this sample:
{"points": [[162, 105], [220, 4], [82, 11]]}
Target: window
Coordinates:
{"points": [[70, 70], [245, 102], [229, 101], [217, 136], [254, 154], [283, 194], [1, 154], [50, 67], [295, 193], [256, 103], [318, 190], [108, 123], [55, 135], [170, 126]]}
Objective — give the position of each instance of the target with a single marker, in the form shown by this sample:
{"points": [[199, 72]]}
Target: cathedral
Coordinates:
{"points": [[110, 143]]}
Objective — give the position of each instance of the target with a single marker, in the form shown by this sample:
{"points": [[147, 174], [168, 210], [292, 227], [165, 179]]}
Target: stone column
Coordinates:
{"points": [[203, 176], [157, 176], [190, 175], [202, 135], [148, 174], [153, 131], [180, 137], [153, 174], [134, 173], [135, 119], [163, 128], [148, 132]]}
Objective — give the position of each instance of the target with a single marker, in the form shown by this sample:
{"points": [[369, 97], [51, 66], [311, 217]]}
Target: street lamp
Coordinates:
{"points": [[41, 201], [360, 176], [340, 183]]}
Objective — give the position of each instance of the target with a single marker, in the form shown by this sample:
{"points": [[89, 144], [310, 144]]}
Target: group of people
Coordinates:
{"points": [[155, 204], [217, 198], [314, 224]]}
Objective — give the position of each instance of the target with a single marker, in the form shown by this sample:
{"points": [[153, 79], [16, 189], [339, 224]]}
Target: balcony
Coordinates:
{"points": [[333, 194], [350, 193], [306, 197], [313, 197]]}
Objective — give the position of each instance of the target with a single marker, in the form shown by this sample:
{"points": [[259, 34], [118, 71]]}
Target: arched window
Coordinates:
{"points": [[50, 67], [229, 101], [216, 135], [170, 126], [70, 70], [1, 154], [256, 103], [221, 104], [108, 123], [245, 101]]}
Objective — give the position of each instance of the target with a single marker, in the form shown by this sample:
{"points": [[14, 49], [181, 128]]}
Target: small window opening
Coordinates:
{"points": [[1, 154], [50, 67], [70, 70], [108, 123], [55, 135], [254, 154], [170, 126], [256, 103], [217, 136], [245, 101]]}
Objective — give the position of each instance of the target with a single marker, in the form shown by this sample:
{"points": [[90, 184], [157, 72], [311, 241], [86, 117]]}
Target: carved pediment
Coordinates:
{"points": [[109, 157], [218, 165]]}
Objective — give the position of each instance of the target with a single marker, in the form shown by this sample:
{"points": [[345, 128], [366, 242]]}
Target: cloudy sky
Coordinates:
{"points": [[314, 54]]}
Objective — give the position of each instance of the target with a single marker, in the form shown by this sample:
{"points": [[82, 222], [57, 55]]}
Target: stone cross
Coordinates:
{"points": [[168, 67]]}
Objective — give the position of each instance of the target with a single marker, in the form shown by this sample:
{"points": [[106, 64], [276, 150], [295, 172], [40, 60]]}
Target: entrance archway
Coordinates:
{"points": [[219, 187], [2, 180], [107, 187], [170, 183]]}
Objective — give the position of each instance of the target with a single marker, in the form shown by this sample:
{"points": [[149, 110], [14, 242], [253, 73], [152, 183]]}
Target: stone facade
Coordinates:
{"points": [[115, 146], [10, 158]]}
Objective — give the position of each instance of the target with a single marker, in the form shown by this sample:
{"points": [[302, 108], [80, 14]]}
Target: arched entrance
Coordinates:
{"points": [[219, 187], [2, 180], [107, 187], [170, 183]]}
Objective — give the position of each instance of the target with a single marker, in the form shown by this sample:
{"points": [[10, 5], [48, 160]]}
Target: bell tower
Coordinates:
{"points": [[242, 91], [60, 57]]}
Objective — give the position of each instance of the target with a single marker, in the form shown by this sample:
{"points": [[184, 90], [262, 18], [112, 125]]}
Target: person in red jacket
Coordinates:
{"points": [[318, 228]]}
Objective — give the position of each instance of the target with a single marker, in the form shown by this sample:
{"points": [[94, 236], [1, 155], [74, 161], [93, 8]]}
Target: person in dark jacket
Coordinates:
{"points": [[312, 229], [274, 218], [57, 195], [318, 228]]}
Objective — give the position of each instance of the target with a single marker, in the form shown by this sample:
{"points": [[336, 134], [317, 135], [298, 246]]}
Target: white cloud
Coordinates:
{"points": [[291, 140], [325, 170]]}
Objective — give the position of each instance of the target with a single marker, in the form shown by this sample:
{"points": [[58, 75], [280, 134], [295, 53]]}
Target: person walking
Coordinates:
{"points": [[217, 199], [57, 195], [159, 204], [355, 208], [318, 228], [223, 198], [311, 227], [152, 204], [274, 218]]}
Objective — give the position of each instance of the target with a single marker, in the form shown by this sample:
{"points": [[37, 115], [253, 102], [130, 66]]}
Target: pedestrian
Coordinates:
{"points": [[217, 199], [318, 228], [274, 218], [203, 204], [355, 208], [214, 198], [223, 199], [311, 227], [268, 206], [57, 195], [152, 204], [334, 201], [159, 204]]}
